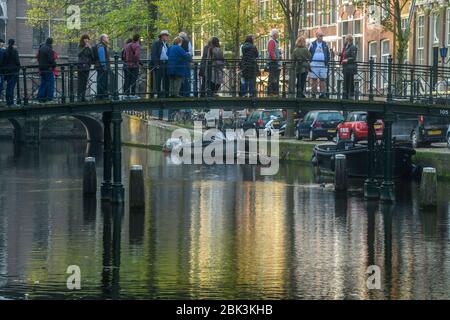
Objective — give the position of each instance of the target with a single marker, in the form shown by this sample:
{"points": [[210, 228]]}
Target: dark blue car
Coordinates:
{"points": [[319, 124]]}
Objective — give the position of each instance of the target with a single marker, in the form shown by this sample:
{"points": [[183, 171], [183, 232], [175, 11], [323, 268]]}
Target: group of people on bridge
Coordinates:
{"points": [[171, 67]]}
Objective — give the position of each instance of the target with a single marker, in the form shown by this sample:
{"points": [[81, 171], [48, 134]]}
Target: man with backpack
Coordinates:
{"points": [[10, 67], [47, 65], [133, 60], [102, 64]]}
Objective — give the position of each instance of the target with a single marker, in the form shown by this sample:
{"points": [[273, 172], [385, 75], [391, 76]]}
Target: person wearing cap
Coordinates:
{"points": [[2, 54], [319, 64], [47, 65], [159, 59]]}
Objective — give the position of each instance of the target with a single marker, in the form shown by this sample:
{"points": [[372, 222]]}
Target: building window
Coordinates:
{"points": [[385, 53], [448, 26], [332, 13], [263, 7], [263, 46], [39, 35], [420, 40], [323, 12], [357, 27], [404, 22], [373, 50]]}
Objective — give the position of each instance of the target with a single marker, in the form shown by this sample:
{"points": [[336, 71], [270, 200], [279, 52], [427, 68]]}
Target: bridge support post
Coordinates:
{"points": [[387, 187], [117, 187], [106, 188], [371, 190]]}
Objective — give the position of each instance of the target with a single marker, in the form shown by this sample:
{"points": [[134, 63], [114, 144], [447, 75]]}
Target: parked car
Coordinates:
{"points": [[213, 117], [354, 128], [420, 130], [258, 119], [448, 137], [319, 124]]}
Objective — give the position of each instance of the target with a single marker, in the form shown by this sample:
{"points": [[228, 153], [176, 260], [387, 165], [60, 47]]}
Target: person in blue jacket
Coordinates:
{"points": [[178, 66]]}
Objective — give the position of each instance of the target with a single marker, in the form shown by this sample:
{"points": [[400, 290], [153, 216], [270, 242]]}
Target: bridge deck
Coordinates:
{"points": [[235, 103]]}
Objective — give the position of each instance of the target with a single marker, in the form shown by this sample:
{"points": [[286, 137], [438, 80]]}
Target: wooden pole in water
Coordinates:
{"points": [[89, 177], [428, 188], [340, 173], [137, 189]]}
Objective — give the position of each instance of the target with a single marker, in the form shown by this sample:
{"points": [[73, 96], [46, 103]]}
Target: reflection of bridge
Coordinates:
{"points": [[28, 129], [383, 90]]}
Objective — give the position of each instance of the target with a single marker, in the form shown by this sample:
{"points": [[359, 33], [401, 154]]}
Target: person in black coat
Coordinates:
{"points": [[349, 66], [249, 67], [85, 61], [47, 64], [203, 71], [10, 70]]}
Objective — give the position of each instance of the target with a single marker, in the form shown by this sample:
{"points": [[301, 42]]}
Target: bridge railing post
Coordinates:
{"points": [[71, 83], [389, 89], [208, 77], [25, 90], [371, 77], [116, 76], [430, 98], [195, 79], [413, 85], [63, 84], [19, 100], [284, 79]]}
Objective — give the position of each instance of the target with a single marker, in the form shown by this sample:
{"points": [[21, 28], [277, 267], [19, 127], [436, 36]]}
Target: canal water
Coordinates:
{"points": [[220, 232]]}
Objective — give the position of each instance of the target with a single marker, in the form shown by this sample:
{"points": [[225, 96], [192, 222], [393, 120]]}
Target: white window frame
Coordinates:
{"points": [[420, 40], [384, 59], [447, 22]]}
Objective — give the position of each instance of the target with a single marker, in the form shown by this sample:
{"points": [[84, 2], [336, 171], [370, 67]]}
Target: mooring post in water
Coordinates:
{"points": [[387, 187], [137, 190], [89, 177], [117, 187], [371, 190], [106, 188], [340, 173], [428, 188]]}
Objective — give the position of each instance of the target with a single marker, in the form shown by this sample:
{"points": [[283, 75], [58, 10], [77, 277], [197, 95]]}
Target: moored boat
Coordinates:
{"points": [[358, 159]]}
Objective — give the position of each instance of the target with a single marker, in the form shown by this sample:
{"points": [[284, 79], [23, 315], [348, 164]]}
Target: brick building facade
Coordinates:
{"points": [[13, 25]]}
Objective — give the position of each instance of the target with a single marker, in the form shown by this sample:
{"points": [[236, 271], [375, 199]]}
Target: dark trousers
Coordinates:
{"points": [[204, 85], [162, 80], [2, 81], [349, 85], [131, 76], [248, 86], [47, 87], [186, 87], [214, 87], [301, 84], [274, 78], [102, 83], [11, 81], [83, 77]]}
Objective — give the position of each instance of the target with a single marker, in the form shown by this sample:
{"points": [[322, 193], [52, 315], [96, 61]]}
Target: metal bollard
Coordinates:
{"points": [[340, 173], [89, 177], [137, 190], [428, 188]]}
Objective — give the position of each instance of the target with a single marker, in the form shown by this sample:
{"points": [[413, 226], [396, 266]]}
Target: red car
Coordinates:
{"points": [[354, 128]]}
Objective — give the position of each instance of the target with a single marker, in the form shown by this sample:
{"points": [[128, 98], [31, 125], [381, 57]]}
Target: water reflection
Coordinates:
{"points": [[211, 232]]}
